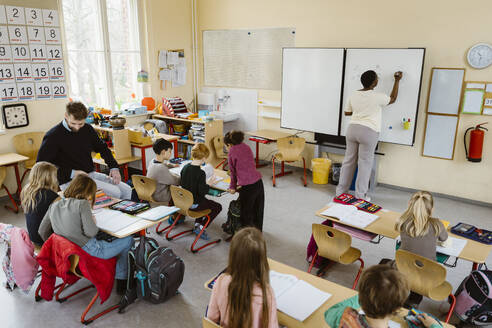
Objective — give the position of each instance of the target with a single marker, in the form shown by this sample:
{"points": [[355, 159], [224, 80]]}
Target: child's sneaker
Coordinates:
{"points": [[198, 228], [170, 221]]}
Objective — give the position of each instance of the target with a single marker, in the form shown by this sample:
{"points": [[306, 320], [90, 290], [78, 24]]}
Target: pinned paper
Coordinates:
{"points": [[165, 74], [172, 57], [162, 58]]}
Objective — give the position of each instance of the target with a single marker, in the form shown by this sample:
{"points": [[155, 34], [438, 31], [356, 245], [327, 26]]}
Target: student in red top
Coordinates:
{"points": [[245, 179]]}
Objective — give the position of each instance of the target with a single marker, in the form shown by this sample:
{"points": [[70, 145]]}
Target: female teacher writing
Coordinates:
{"points": [[363, 132]]}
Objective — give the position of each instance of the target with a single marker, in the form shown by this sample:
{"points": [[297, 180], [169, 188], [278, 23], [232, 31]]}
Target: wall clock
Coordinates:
{"points": [[480, 55], [15, 116]]}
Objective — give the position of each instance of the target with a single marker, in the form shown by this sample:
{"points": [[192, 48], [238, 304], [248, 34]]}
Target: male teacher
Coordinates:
{"points": [[364, 106], [69, 144]]}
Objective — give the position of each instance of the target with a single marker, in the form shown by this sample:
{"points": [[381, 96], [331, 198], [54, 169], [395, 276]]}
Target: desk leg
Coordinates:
{"points": [[17, 178], [257, 154], [125, 172], [474, 266], [144, 161], [175, 146]]}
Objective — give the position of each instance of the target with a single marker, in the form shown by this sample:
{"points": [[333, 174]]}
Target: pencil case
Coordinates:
{"points": [[469, 231]]}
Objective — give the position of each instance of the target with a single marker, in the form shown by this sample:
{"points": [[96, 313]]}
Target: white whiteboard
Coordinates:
{"points": [[245, 58], [311, 89], [445, 92], [385, 62], [440, 135]]}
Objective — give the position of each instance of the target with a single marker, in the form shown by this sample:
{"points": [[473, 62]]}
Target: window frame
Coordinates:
{"points": [[103, 16]]}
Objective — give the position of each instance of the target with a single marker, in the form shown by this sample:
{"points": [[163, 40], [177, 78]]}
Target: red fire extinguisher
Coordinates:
{"points": [[476, 143]]}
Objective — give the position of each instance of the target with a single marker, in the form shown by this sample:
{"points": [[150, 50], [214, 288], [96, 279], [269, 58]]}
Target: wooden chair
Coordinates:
{"points": [[183, 199], [218, 142], [74, 269], [207, 323], [28, 144], [145, 188], [289, 150], [426, 277], [336, 246], [3, 175]]}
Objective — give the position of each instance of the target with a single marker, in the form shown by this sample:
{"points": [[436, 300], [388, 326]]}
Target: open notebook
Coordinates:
{"points": [[296, 297], [350, 215], [158, 212], [113, 221]]}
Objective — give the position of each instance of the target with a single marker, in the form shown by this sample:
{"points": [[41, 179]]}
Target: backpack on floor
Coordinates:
{"points": [[474, 299], [233, 223], [154, 273]]}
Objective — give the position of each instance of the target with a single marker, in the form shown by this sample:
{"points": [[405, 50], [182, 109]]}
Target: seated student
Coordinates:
{"points": [[244, 174], [159, 171], [418, 230], [242, 296], [71, 217], [382, 291], [38, 194], [193, 179]]}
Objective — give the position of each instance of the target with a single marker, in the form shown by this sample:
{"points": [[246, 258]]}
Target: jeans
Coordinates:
{"points": [[106, 250], [103, 181]]}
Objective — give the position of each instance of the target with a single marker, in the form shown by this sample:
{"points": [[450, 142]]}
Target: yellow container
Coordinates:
{"points": [[321, 169]]}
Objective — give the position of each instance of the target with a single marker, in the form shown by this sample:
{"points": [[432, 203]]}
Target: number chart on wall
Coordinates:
{"points": [[31, 58]]}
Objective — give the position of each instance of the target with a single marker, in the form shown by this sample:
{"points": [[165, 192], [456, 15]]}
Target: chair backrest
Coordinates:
{"points": [[3, 174], [218, 142], [74, 262], [144, 186], [182, 198], [423, 274], [207, 323], [332, 243], [28, 144], [291, 148]]}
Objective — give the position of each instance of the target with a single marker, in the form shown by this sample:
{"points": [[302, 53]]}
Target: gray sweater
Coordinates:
{"points": [[160, 172], [70, 218], [424, 245]]}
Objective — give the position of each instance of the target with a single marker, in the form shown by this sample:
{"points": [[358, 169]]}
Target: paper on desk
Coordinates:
{"points": [[350, 215], [111, 220], [455, 249], [222, 185], [158, 212], [301, 300], [280, 282]]}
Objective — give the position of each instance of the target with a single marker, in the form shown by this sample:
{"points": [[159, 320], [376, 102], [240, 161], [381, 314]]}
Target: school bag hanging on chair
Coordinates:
{"points": [[154, 273], [474, 299]]}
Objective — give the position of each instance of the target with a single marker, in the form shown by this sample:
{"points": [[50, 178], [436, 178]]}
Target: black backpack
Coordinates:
{"points": [[233, 223], [154, 273]]}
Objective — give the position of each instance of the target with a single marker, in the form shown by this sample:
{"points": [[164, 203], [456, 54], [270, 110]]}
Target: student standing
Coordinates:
{"points": [[364, 107], [159, 171], [194, 179], [38, 194], [245, 179], [242, 296], [71, 218]]}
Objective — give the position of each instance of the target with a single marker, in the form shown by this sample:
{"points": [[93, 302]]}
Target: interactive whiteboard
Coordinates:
{"points": [[385, 62], [311, 89]]}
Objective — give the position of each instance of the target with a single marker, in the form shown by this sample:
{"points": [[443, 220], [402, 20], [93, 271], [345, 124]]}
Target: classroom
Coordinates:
{"points": [[332, 154]]}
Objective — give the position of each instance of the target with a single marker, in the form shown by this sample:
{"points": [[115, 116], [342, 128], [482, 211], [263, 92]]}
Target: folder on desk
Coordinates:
{"points": [[296, 297]]}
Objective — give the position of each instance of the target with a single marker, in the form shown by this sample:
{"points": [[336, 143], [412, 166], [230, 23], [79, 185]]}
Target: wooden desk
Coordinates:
{"points": [[172, 139], [317, 319], [13, 159], [121, 162], [474, 251], [265, 137]]}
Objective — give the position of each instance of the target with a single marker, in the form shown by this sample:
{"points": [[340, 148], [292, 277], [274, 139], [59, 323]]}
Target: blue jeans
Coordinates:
{"points": [[106, 250]]}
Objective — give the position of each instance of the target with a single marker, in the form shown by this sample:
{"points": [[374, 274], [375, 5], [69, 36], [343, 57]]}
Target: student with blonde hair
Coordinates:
{"points": [[71, 218], [418, 230], [38, 194], [242, 296], [194, 179]]}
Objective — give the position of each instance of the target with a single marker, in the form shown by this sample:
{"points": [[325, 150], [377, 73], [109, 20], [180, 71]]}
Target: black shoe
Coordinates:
{"points": [[121, 286]]}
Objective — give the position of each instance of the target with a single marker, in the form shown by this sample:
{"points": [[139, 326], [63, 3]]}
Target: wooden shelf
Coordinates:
{"points": [[164, 117], [189, 142]]}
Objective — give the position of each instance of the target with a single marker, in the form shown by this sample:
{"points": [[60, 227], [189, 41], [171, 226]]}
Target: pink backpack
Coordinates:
{"points": [[474, 299]]}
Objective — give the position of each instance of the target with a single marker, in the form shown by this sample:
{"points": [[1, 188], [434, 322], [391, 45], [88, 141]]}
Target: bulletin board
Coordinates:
{"points": [[443, 112], [31, 55]]}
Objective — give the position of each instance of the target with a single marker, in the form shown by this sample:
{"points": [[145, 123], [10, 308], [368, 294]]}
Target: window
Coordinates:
{"points": [[103, 50]]}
